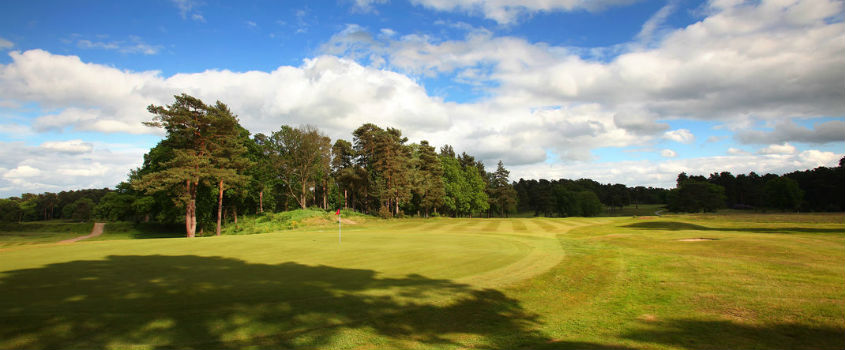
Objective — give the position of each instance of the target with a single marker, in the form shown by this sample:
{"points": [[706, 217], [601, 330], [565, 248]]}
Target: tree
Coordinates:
{"points": [[10, 210], [454, 186], [783, 193], [195, 134], [229, 155], [430, 185], [82, 209], [588, 203], [694, 196], [502, 194], [114, 206], [298, 155]]}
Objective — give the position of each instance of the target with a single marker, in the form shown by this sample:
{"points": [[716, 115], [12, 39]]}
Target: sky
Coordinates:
{"points": [[619, 91]]}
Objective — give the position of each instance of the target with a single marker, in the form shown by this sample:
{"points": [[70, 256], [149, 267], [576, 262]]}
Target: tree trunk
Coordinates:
{"points": [[304, 195], [235, 214], [345, 203], [325, 189], [220, 208], [261, 201], [189, 224]]}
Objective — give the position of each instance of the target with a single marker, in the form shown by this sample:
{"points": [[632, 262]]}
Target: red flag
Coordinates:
{"points": [[338, 212]]}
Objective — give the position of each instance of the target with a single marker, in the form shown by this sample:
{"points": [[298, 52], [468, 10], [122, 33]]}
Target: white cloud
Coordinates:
{"points": [[70, 147], [668, 153], [133, 45], [779, 149], [189, 7], [737, 151], [764, 60], [14, 130], [63, 165], [652, 27], [22, 171], [679, 135], [509, 11], [5, 44], [367, 5], [752, 62], [664, 173]]}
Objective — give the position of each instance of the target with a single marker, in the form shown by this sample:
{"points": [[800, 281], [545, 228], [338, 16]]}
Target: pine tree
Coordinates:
{"points": [[195, 132], [502, 193]]}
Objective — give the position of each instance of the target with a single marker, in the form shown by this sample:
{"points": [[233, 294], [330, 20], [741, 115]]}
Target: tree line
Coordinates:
{"points": [[208, 169], [819, 189]]}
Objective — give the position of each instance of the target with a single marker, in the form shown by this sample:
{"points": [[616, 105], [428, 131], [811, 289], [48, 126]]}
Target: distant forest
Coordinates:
{"points": [[208, 168]]}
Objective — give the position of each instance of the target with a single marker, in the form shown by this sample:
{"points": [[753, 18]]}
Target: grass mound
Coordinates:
{"points": [[289, 220]]}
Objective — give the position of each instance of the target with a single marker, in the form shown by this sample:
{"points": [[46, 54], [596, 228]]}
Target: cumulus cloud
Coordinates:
{"points": [[737, 151], [779, 149], [664, 173], [668, 153], [751, 61], [680, 135], [825, 132], [63, 165], [335, 94], [509, 11], [70, 147], [764, 60]]}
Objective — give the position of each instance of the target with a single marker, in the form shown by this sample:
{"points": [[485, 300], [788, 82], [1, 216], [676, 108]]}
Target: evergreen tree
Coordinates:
{"points": [[195, 132], [430, 184], [502, 194]]}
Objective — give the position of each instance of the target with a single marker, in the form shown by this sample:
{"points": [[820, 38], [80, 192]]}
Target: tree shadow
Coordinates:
{"points": [[214, 302], [700, 334], [683, 226]]}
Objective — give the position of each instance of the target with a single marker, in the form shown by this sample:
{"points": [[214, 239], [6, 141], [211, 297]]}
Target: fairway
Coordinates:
{"points": [[757, 281]]}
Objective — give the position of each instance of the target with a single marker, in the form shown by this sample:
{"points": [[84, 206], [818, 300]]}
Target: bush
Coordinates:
{"points": [[384, 213]]}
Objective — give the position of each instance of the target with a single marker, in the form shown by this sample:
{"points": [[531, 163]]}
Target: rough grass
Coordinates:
{"points": [[26, 233], [763, 282], [289, 220]]}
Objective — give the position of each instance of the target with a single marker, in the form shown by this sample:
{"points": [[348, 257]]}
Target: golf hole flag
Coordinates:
{"points": [[338, 225]]}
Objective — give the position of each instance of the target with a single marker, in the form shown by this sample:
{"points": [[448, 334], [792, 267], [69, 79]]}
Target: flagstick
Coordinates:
{"points": [[338, 229]]}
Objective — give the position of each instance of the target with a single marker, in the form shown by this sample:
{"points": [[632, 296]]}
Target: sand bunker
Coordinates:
{"points": [[696, 239]]}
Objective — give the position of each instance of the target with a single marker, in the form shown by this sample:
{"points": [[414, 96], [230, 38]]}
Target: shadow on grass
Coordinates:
{"points": [[697, 334], [141, 230], [213, 302], [683, 226]]}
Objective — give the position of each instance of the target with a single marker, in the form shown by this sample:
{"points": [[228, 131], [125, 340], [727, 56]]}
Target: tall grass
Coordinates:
{"points": [[289, 220]]}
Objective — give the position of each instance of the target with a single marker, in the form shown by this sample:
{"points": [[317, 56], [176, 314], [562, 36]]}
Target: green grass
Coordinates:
{"points": [[272, 222], [763, 281], [26, 233]]}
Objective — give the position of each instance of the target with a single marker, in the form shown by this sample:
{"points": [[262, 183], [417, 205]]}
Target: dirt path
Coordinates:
{"points": [[96, 231]]}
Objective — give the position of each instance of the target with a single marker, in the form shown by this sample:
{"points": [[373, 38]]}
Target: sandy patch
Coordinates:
{"points": [[697, 239], [96, 231], [647, 317]]}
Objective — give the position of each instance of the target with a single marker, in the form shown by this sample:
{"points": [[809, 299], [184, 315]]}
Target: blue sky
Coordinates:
{"points": [[620, 91]]}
